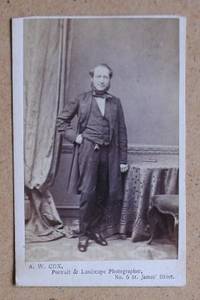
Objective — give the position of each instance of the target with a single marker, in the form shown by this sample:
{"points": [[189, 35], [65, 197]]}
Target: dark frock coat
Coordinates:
{"points": [[118, 139]]}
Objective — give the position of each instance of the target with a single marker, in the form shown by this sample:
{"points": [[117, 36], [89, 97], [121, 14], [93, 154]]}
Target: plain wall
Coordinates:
{"points": [[144, 56]]}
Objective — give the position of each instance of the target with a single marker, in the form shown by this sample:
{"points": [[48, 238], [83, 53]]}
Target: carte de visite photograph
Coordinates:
{"points": [[99, 141]]}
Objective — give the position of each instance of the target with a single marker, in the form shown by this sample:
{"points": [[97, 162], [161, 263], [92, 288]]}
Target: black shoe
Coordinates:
{"points": [[83, 243], [97, 237]]}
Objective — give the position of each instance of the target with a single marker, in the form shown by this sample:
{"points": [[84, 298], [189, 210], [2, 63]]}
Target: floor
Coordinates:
{"points": [[65, 249]]}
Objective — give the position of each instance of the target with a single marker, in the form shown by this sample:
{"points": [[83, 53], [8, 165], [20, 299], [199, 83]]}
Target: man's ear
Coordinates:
{"points": [[92, 84]]}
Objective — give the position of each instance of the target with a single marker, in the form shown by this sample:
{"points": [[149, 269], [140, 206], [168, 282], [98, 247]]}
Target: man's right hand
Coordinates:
{"points": [[79, 139]]}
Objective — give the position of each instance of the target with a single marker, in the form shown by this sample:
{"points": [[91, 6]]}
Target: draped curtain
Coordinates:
{"points": [[47, 45]]}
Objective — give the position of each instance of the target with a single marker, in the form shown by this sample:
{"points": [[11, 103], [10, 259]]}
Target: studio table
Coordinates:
{"points": [[142, 181]]}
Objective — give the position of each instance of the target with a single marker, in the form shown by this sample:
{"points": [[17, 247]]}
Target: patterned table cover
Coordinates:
{"points": [[142, 182]]}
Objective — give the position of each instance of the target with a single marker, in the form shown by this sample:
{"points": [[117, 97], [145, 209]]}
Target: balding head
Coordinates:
{"points": [[100, 66]]}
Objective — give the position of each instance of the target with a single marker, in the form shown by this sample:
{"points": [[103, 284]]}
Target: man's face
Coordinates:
{"points": [[101, 78]]}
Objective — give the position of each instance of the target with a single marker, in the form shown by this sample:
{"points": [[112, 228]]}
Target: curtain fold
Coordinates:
{"points": [[46, 53]]}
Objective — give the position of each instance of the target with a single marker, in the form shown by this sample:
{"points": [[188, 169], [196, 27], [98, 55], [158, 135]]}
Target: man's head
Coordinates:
{"points": [[100, 77]]}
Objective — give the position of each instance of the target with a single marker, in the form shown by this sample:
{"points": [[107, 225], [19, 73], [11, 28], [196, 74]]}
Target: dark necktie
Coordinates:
{"points": [[100, 94]]}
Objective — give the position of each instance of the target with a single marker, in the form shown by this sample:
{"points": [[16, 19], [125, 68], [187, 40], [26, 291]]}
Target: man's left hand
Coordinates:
{"points": [[123, 168]]}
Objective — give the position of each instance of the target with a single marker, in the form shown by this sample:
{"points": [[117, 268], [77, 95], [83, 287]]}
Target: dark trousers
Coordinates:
{"points": [[93, 185]]}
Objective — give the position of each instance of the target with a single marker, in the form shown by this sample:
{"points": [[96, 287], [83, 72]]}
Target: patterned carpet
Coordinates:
{"points": [[65, 249]]}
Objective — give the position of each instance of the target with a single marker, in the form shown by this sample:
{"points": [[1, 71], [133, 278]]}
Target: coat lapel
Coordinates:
{"points": [[112, 113], [85, 108], [88, 103]]}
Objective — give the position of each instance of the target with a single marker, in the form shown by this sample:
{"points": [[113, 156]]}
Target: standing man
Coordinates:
{"points": [[100, 152]]}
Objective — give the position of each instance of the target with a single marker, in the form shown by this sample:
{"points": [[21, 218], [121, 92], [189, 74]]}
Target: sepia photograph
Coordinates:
{"points": [[99, 140]]}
